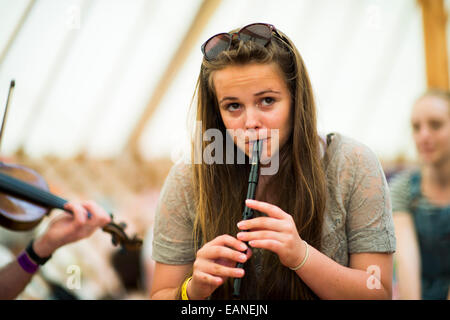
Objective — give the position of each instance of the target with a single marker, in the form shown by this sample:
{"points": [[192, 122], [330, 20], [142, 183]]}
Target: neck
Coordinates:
{"points": [[439, 174]]}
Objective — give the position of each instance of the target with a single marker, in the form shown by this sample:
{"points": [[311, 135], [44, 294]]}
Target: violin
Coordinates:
{"points": [[25, 200]]}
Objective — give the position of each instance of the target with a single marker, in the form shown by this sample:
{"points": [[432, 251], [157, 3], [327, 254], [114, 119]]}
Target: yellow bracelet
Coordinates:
{"points": [[304, 259], [184, 295]]}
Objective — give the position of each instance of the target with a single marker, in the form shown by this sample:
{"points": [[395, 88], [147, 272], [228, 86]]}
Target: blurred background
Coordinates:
{"points": [[103, 89]]}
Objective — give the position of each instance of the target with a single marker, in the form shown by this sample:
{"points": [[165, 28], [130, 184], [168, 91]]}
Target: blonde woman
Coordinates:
{"points": [[421, 204]]}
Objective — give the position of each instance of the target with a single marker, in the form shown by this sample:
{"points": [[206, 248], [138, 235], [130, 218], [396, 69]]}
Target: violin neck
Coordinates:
{"points": [[29, 192]]}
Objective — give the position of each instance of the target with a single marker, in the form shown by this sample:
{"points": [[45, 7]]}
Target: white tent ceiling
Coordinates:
{"points": [[85, 70]]}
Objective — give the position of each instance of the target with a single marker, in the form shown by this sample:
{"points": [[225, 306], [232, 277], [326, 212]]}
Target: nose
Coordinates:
{"points": [[252, 119], [423, 134]]}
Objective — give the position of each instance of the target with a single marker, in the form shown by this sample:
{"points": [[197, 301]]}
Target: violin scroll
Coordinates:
{"points": [[120, 237]]}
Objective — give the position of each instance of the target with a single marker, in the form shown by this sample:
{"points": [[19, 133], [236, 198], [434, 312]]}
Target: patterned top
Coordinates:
{"points": [[357, 218]]}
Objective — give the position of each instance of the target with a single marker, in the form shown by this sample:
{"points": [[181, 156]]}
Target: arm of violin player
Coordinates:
{"points": [[13, 279], [62, 230]]}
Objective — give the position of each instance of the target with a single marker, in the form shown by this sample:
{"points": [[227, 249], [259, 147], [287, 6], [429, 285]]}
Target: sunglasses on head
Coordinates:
{"points": [[260, 33]]}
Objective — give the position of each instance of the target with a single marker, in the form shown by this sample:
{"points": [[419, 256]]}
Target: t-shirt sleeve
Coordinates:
{"points": [[172, 232], [369, 223], [400, 192]]}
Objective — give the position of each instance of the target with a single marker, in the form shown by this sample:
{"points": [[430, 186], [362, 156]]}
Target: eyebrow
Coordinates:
{"points": [[267, 91], [256, 95]]}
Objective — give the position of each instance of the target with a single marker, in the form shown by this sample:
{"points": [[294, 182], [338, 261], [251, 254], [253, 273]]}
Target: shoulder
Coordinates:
{"points": [[176, 204], [177, 193], [180, 176], [347, 154], [174, 218], [180, 171], [349, 148], [355, 176]]}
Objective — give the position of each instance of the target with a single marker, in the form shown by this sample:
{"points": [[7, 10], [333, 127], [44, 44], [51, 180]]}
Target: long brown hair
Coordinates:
{"points": [[299, 186]]}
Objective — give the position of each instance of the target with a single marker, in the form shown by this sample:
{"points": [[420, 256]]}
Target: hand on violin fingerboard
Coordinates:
{"points": [[66, 229]]}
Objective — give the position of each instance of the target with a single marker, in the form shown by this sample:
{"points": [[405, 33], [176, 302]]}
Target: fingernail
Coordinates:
{"points": [[241, 224]]}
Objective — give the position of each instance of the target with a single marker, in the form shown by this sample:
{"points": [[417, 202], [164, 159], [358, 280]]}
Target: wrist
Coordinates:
{"points": [[190, 293], [42, 248], [189, 290], [304, 257], [27, 264]]}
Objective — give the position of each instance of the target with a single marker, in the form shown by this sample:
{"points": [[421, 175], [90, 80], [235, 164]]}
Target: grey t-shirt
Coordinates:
{"points": [[357, 218]]}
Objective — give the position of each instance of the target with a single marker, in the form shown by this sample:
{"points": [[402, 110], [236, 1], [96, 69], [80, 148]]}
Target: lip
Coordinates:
{"points": [[253, 141], [426, 150]]}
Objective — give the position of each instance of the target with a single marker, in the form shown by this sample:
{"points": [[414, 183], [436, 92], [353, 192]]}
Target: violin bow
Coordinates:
{"points": [[25, 190], [5, 112]]}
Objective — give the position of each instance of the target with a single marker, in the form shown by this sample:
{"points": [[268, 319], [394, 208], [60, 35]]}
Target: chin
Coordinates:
{"points": [[426, 159], [430, 159]]}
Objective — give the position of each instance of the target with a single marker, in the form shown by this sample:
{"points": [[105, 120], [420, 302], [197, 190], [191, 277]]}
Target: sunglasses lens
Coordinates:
{"points": [[216, 45], [259, 33]]}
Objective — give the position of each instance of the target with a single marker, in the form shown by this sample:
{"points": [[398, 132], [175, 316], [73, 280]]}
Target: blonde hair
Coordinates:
{"points": [[438, 93]]}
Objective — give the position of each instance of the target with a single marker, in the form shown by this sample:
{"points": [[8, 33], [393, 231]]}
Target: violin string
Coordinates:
{"points": [[34, 194], [29, 191]]}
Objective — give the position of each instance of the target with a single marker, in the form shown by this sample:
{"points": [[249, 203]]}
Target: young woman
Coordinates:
{"points": [[324, 228], [421, 204]]}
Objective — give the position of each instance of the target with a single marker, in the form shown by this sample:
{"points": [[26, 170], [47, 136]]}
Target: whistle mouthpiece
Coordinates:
{"points": [[256, 148], [13, 83]]}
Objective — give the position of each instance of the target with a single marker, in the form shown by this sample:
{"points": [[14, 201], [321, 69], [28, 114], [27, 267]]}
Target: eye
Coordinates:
{"points": [[233, 107], [267, 101], [415, 127], [435, 125]]}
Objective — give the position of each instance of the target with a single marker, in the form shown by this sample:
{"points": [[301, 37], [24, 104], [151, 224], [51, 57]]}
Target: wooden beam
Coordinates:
{"points": [[16, 30], [434, 19], [202, 17]]}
